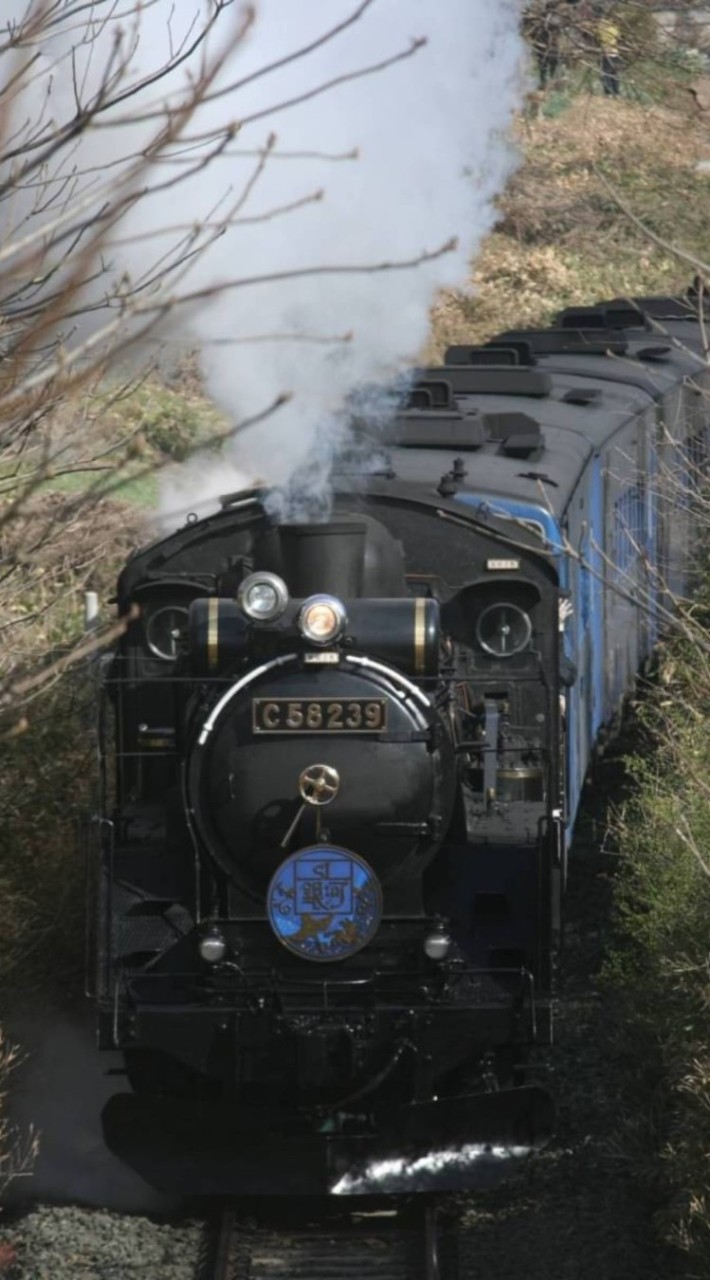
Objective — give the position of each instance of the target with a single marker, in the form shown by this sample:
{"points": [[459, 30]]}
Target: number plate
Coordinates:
{"points": [[319, 715]]}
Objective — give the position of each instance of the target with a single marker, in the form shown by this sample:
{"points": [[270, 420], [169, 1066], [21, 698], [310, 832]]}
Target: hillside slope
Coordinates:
{"points": [[562, 238]]}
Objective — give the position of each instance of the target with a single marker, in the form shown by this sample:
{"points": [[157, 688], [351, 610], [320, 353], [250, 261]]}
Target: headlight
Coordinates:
{"points": [[503, 630], [262, 597], [322, 619]]}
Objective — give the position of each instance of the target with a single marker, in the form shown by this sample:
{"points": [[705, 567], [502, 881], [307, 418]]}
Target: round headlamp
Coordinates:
{"points": [[322, 619], [263, 597]]}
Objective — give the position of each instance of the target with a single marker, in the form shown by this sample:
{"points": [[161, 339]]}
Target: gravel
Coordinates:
{"points": [[91, 1244]]}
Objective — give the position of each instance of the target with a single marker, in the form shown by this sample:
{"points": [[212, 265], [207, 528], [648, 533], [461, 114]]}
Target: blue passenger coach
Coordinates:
{"points": [[614, 401]]}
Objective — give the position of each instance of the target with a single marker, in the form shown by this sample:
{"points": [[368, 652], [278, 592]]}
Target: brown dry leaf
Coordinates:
{"points": [[700, 90], [8, 1255]]}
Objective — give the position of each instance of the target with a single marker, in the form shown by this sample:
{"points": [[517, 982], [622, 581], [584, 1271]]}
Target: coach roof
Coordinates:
{"points": [[526, 434]]}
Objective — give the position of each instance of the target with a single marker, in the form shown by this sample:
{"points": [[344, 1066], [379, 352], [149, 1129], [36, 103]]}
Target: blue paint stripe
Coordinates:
{"points": [[511, 509], [596, 574]]}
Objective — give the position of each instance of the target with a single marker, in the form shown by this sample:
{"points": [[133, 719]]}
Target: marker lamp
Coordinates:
{"points": [[437, 944], [212, 947]]}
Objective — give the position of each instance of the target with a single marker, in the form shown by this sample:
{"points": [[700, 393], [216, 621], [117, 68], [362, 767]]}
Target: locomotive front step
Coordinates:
{"points": [[448, 1145]]}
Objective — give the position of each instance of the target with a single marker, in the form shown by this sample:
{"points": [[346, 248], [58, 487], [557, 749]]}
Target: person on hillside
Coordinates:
{"points": [[543, 27], [609, 37]]}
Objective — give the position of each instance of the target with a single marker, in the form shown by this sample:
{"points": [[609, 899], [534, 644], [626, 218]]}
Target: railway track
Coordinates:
{"points": [[404, 1244]]}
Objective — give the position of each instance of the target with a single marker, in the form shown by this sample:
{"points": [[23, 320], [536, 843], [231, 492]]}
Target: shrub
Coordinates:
{"points": [[659, 971], [17, 1151], [170, 423]]}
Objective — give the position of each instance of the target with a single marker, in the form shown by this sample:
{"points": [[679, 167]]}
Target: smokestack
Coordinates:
{"points": [[324, 558]]}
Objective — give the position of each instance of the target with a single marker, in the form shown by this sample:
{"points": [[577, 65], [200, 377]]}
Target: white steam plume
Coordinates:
{"points": [[429, 133], [431, 158]]}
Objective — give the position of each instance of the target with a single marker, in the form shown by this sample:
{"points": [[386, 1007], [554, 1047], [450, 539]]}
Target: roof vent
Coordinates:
{"points": [[616, 315], [419, 398], [521, 444], [656, 355], [558, 342], [523, 350], [519, 434], [582, 318], [437, 430], [497, 381], [488, 355], [582, 395], [431, 393], [624, 313], [494, 379]]}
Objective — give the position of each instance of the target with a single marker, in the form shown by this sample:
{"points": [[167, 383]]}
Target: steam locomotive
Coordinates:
{"points": [[341, 764]]}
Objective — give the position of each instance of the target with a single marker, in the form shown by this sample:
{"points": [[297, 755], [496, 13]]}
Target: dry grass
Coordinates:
{"points": [[562, 239]]}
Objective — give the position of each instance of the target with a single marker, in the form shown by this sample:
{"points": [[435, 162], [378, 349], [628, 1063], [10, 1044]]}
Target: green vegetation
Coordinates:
{"points": [[80, 539], [69, 538], [44, 791], [168, 422], [116, 440], [658, 974], [46, 756], [138, 483]]}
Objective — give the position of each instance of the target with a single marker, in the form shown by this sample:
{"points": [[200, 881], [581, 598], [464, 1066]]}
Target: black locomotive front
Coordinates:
{"points": [[298, 823]]}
